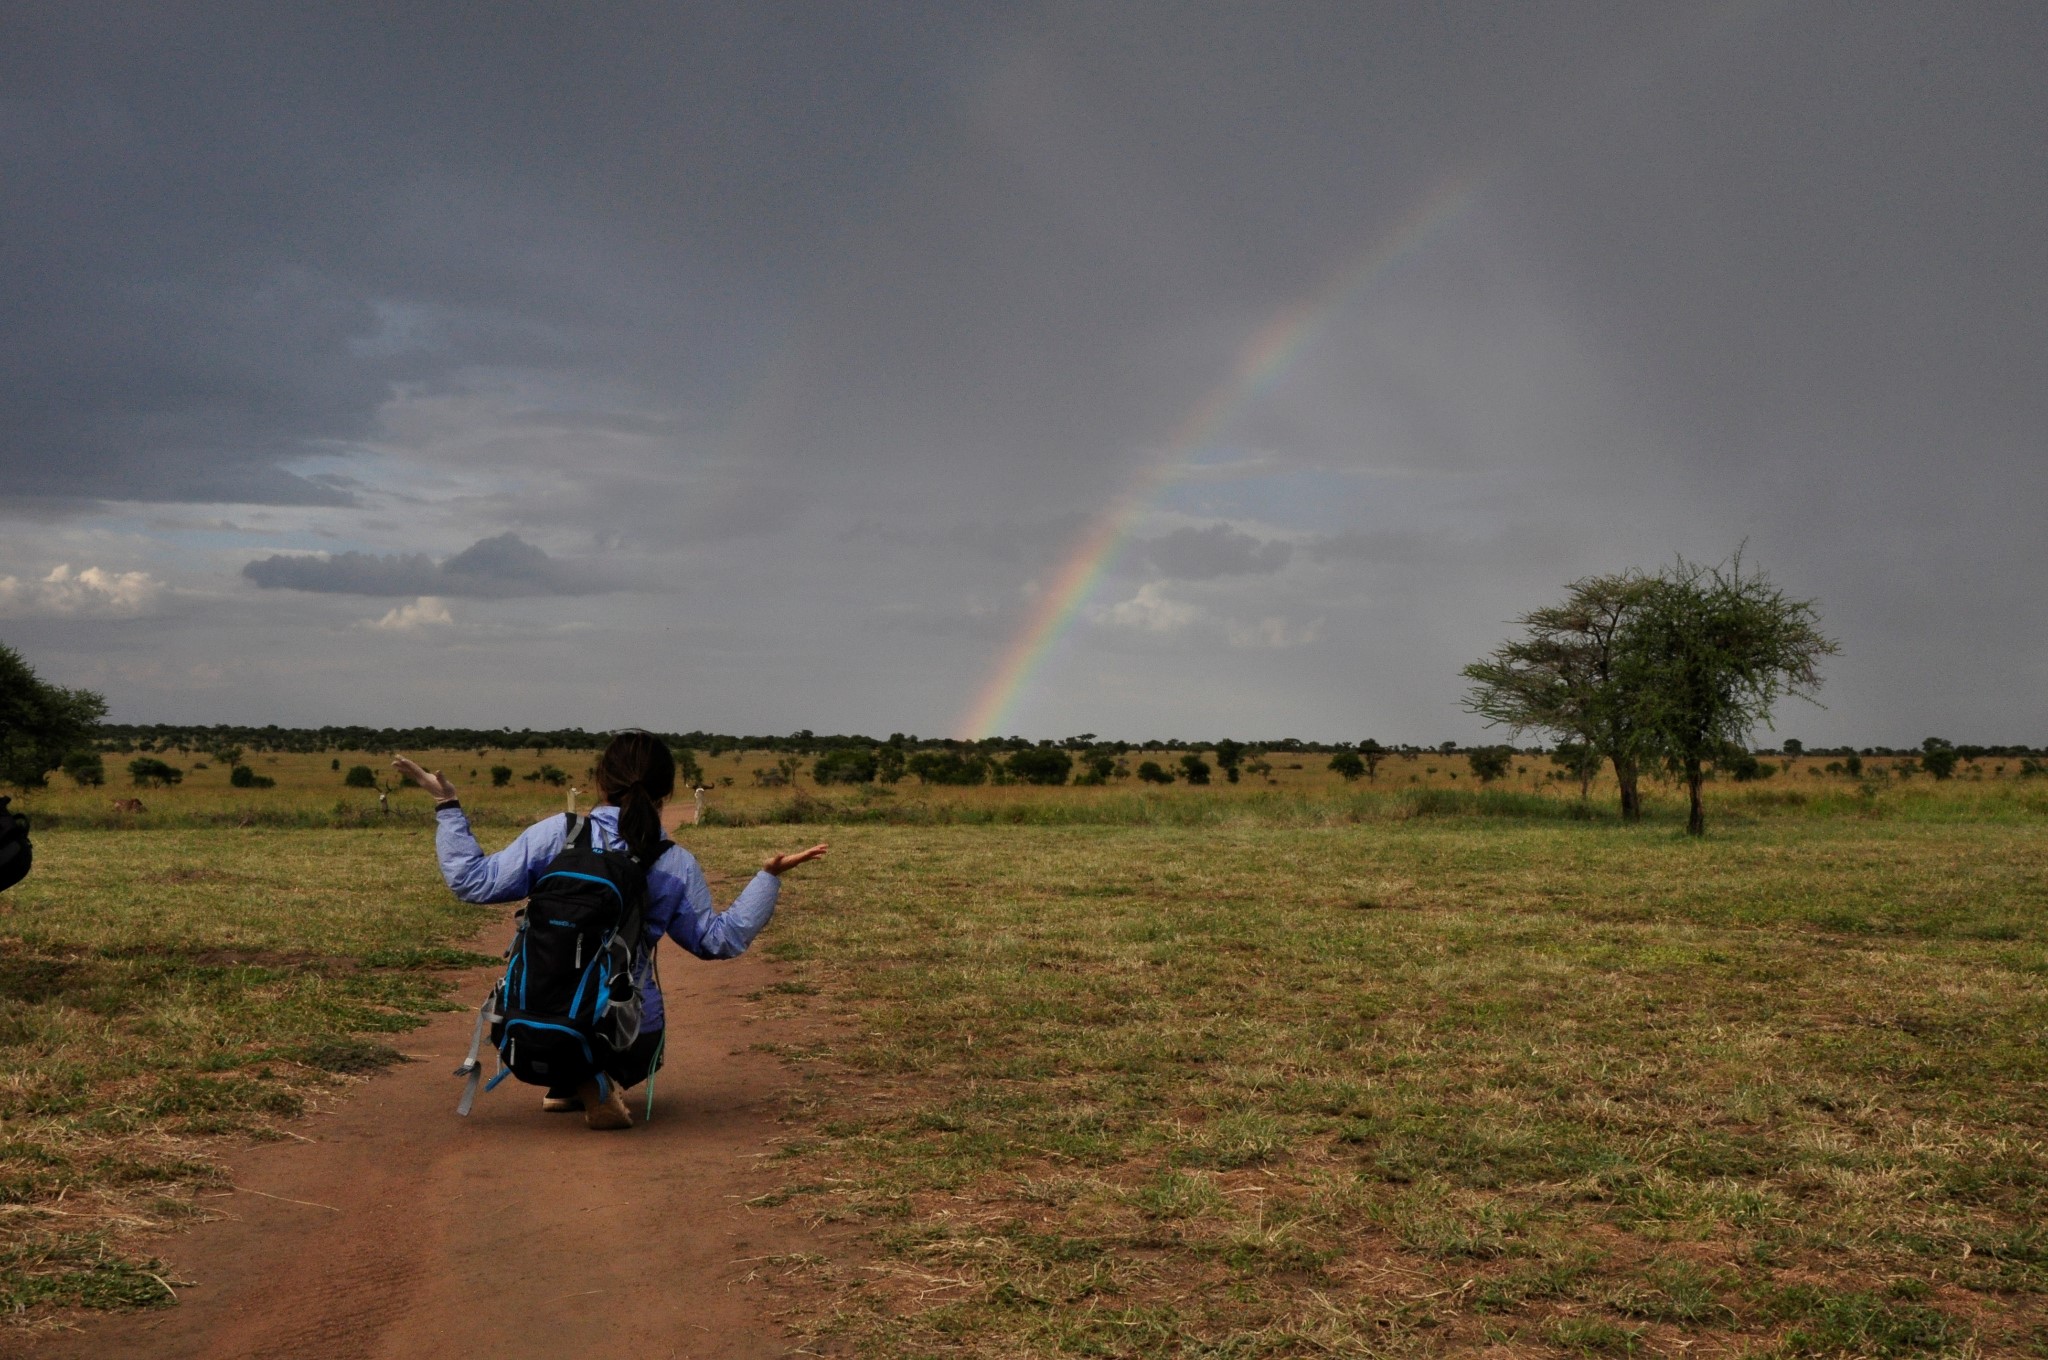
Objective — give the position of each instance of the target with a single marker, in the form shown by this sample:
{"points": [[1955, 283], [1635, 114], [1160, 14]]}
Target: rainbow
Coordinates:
{"points": [[1262, 360]]}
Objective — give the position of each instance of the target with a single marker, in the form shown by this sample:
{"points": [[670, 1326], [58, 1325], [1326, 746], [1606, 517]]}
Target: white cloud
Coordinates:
{"points": [[428, 611], [1149, 611], [92, 593]]}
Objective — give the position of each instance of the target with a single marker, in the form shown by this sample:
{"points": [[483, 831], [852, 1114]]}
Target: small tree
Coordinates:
{"points": [[40, 723], [1489, 762], [1372, 753], [147, 772], [687, 768], [360, 777], [1794, 747], [86, 768], [889, 763], [1041, 765], [1938, 758], [845, 765], [242, 777], [1151, 773], [1194, 769], [1229, 755], [1580, 761], [1561, 677], [1349, 765], [501, 776], [1707, 653]]}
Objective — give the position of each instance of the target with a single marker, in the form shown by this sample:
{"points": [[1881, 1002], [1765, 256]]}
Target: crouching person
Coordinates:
{"points": [[579, 1009]]}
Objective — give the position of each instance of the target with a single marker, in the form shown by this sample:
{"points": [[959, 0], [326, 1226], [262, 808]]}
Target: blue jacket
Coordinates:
{"points": [[678, 900]]}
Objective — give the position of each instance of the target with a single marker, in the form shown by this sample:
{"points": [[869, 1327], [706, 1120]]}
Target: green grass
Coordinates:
{"points": [[1276, 1072], [1423, 1086], [162, 989]]}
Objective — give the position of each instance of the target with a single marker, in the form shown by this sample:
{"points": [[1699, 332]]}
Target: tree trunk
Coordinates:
{"points": [[1631, 801], [1696, 819]]}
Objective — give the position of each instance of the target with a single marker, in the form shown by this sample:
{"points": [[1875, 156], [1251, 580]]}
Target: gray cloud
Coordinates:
{"points": [[504, 567], [1202, 554], [844, 330]]}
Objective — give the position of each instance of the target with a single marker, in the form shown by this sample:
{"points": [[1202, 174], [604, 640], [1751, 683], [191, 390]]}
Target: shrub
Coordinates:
{"points": [[242, 777], [360, 777], [1852, 765], [1743, 766], [1096, 768], [1349, 764], [1151, 773], [947, 767], [86, 768], [149, 772], [1938, 758], [1041, 765], [1489, 762], [1194, 768], [2030, 767], [334, 764], [551, 775], [501, 776], [847, 765]]}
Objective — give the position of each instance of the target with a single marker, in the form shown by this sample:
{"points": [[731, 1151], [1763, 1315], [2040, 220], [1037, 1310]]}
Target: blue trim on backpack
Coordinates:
{"points": [[588, 878], [588, 1056], [584, 981]]}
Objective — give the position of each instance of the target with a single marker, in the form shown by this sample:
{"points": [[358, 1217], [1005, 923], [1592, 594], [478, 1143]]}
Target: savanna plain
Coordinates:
{"points": [[1286, 1068]]}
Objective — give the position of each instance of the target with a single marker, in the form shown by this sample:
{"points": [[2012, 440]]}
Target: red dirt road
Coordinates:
{"points": [[402, 1231]]}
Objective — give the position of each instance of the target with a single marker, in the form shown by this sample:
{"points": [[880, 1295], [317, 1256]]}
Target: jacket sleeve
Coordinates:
{"points": [[713, 934], [506, 876]]}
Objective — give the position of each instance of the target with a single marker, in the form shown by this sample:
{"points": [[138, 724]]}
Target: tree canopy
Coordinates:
{"points": [[1675, 668], [40, 723]]}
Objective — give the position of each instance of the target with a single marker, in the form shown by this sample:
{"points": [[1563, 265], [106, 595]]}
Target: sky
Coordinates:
{"points": [[1138, 369]]}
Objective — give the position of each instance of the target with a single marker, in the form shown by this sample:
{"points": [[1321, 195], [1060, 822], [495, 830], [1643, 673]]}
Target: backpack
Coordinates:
{"points": [[16, 854], [569, 1000]]}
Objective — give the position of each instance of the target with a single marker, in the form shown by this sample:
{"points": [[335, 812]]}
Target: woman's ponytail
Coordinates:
{"points": [[636, 774], [639, 824]]}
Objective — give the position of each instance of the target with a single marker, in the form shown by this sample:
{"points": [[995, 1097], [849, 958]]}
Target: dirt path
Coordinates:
{"points": [[402, 1231]]}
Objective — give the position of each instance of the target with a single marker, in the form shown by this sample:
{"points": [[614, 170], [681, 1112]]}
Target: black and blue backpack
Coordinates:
{"points": [[568, 1003]]}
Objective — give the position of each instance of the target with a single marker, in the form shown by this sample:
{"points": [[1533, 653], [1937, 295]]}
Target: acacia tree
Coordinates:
{"points": [[1705, 654], [1561, 678], [40, 723], [1370, 754]]}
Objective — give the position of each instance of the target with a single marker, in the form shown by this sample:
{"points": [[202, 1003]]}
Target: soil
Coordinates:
{"points": [[400, 1230]]}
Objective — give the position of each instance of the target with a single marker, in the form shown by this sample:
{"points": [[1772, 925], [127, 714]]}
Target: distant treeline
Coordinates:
{"points": [[131, 737]]}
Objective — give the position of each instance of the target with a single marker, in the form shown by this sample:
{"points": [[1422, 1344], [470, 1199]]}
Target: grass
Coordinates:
{"points": [[1431, 1085], [160, 990], [1293, 1069]]}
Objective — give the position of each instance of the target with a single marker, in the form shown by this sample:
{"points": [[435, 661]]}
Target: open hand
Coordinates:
{"points": [[435, 783], [782, 864]]}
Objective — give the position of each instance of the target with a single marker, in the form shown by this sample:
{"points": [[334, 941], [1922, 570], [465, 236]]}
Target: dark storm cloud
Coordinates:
{"points": [[851, 323], [505, 567], [1213, 550], [234, 228]]}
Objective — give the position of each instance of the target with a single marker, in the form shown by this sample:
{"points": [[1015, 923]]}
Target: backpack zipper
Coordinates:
{"points": [[579, 950]]}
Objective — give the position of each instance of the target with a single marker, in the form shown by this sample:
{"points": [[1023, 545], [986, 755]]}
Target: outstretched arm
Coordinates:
{"points": [[782, 864], [709, 933]]}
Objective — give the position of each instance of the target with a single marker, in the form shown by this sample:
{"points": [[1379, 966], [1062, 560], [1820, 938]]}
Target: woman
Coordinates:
{"points": [[635, 776]]}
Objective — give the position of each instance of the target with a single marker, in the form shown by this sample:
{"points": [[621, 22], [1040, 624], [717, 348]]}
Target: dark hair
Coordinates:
{"points": [[637, 773]]}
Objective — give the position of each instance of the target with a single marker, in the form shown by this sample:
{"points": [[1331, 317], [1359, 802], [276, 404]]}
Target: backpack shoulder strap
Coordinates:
{"points": [[579, 830]]}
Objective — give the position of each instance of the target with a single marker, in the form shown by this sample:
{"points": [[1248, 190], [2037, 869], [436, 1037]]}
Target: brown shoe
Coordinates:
{"points": [[607, 1111], [561, 1104]]}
